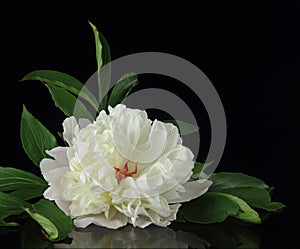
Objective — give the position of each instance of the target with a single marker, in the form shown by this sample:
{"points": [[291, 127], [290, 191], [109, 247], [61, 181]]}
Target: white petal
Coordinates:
{"points": [[83, 122], [173, 137], [63, 205], [192, 190], [51, 169], [47, 165], [171, 195], [48, 194], [155, 147], [117, 221], [59, 154], [56, 174], [71, 129], [55, 190], [143, 222], [165, 221]]}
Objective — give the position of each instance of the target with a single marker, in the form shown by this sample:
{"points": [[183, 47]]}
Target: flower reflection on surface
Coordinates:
{"points": [[133, 237]]}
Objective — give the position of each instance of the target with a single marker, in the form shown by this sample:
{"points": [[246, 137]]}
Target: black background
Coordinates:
{"points": [[249, 51]]}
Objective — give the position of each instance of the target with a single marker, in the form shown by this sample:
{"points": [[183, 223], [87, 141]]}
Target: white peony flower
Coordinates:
{"points": [[122, 168]]}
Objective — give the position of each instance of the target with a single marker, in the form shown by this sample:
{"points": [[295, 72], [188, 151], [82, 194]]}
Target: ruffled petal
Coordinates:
{"points": [[83, 122], [47, 165], [64, 206], [71, 129], [59, 154], [165, 221], [192, 190], [143, 222], [119, 220], [56, 189]]}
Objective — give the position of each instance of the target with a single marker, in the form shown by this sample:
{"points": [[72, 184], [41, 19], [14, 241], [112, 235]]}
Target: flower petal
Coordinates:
{"points": [[56, 189], [165, 221], [192, 190], [119, 220], [59, 154], [71, 128], [63, 205], [143, 222], [83, 122]]}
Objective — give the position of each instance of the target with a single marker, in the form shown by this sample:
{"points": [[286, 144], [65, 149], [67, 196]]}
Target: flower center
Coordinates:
{"points": [[123, 173]]}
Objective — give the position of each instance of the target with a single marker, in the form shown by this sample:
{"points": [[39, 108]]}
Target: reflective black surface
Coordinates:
{"points": [[175, 236], [227, 235], [249, 50]]}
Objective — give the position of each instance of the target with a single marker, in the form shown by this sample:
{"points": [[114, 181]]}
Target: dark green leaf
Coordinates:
{"points": [[121, 90], [16, 179], [106, 57], [56, 78], [209, 208], [66, 102], [29, 193], [103, 58], [11, 205], [36, 138], [54, 222], [255, 197], [223, 180], [198, 167], [183, 127], [105, 74], [65, 81], [274, 206]]}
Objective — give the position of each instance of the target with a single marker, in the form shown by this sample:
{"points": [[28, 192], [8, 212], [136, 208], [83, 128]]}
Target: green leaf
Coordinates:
{"points": [[65, 81], [15, 179], [57, 78], [198, 167], [224, 180], [29, 193], [273, 206], [255, 197], [35, 137], [98, 46], [66, 102], [54, 222], [11, 205], [246, 213], [103, 58], [122, 89], [105, 75], [184, 128], [106, 57], [198, 170], [209, 208]]}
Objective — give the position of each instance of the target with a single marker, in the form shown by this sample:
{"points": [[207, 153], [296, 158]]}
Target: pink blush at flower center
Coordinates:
{"points": [[123, 173]]}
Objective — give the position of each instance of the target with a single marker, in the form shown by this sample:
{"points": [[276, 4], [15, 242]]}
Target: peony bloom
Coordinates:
{"points": [[122, 168]]}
